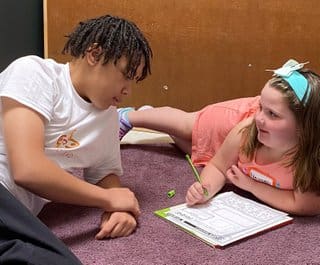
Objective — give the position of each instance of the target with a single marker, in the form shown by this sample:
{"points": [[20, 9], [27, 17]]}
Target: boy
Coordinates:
{"points": [[59, 136]]}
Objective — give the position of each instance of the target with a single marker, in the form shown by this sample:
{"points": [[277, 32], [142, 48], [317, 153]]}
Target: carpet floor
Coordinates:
{"points": [[150, 170]]}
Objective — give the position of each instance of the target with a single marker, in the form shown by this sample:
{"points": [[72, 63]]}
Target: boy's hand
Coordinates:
{"points": [[123, 200], [116, 224], [195, 194]]}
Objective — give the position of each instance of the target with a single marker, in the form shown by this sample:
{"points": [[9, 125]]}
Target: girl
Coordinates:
{"points": [[272, 138]]}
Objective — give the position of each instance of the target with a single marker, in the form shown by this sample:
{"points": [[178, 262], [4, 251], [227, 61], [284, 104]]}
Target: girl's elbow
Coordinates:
{"points": [[308, 211], [304, 212], [306, 204], [305, 209]]}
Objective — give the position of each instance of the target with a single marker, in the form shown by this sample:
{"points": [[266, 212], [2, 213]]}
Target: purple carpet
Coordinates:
{"points": [[150, 171]]}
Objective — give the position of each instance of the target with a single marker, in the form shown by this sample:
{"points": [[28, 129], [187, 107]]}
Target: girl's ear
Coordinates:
{"points": [[93, 54]]}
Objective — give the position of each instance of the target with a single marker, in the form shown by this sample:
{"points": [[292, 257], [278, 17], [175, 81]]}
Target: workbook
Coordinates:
{"points": [[226, 218]]}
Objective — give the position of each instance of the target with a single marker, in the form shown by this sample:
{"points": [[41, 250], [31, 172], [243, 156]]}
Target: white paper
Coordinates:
{"points": [[226, 218]]}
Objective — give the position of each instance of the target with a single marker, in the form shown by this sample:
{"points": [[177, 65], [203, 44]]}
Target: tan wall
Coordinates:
{"points": [[204, 50]]}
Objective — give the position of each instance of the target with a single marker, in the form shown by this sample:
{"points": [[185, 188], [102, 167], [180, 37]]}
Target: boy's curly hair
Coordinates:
{"points": [[117, 37]]}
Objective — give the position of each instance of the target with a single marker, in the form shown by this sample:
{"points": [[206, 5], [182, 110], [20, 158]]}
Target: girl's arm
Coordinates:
{"points": [[23, 130], [213, 176], [294, 202]]}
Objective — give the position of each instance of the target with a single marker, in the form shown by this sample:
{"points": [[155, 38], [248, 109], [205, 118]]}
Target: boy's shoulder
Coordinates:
{"points": [[34, 60], [32, 66]]}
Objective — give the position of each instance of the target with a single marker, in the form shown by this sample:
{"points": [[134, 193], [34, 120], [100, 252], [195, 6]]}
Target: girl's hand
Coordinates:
{"points": [[116, 224], [239, 179], [195, 194]]}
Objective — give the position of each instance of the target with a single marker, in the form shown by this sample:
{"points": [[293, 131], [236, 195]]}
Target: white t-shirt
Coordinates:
{"points": [[78, 137]]}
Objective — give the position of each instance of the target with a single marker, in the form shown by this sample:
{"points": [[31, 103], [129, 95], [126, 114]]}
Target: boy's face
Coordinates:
{"points": [[276, 123], [107, 85]]}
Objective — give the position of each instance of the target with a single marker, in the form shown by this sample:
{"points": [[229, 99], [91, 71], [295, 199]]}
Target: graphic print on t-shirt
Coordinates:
{"points": [[67, 141]]}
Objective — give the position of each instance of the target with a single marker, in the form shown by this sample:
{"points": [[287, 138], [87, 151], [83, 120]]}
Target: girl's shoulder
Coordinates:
{"points": [[236, 135]]}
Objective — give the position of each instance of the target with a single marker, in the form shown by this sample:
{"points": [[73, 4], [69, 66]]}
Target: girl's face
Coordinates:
{"points": [[276, 124]]}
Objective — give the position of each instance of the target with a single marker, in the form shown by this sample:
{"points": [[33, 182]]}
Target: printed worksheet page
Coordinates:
{"points": [[226, 218]]}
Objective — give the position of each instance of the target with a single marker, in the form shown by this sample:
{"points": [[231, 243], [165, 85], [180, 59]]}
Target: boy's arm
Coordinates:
{"points": [[23, 130], [116, 223], [294, 202]]}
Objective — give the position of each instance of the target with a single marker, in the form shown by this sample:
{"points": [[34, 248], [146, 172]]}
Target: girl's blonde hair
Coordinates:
{"points": [[305, 157]]}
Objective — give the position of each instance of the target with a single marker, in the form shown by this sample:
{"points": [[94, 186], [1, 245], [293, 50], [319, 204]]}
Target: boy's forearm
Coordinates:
{"points": [[50, 181], [110, 181]]}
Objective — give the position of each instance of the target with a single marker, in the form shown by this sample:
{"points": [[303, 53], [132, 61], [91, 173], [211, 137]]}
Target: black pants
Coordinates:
{"points": [[24, 239]]}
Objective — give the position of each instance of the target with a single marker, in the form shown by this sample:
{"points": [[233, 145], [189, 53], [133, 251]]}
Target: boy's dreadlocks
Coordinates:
{"points": [[117, 37]]}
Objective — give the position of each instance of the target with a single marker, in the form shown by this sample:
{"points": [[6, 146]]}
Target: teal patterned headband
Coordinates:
{"points": [[297, 81]]}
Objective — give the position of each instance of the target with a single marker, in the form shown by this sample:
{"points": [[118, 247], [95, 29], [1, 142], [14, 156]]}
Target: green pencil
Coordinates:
{"points": [[196, 174]]}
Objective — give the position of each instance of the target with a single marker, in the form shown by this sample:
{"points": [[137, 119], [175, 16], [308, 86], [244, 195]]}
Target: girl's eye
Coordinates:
{"points": [[272, 114]]}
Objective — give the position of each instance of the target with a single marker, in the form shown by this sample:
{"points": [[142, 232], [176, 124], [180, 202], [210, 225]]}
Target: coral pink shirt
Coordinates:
{"points": [[214, 122], [275, 174], [212, 125]]}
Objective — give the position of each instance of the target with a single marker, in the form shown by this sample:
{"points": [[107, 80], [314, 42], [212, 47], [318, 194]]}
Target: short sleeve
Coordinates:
{"points": [[29, 81], [110, 160]]}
